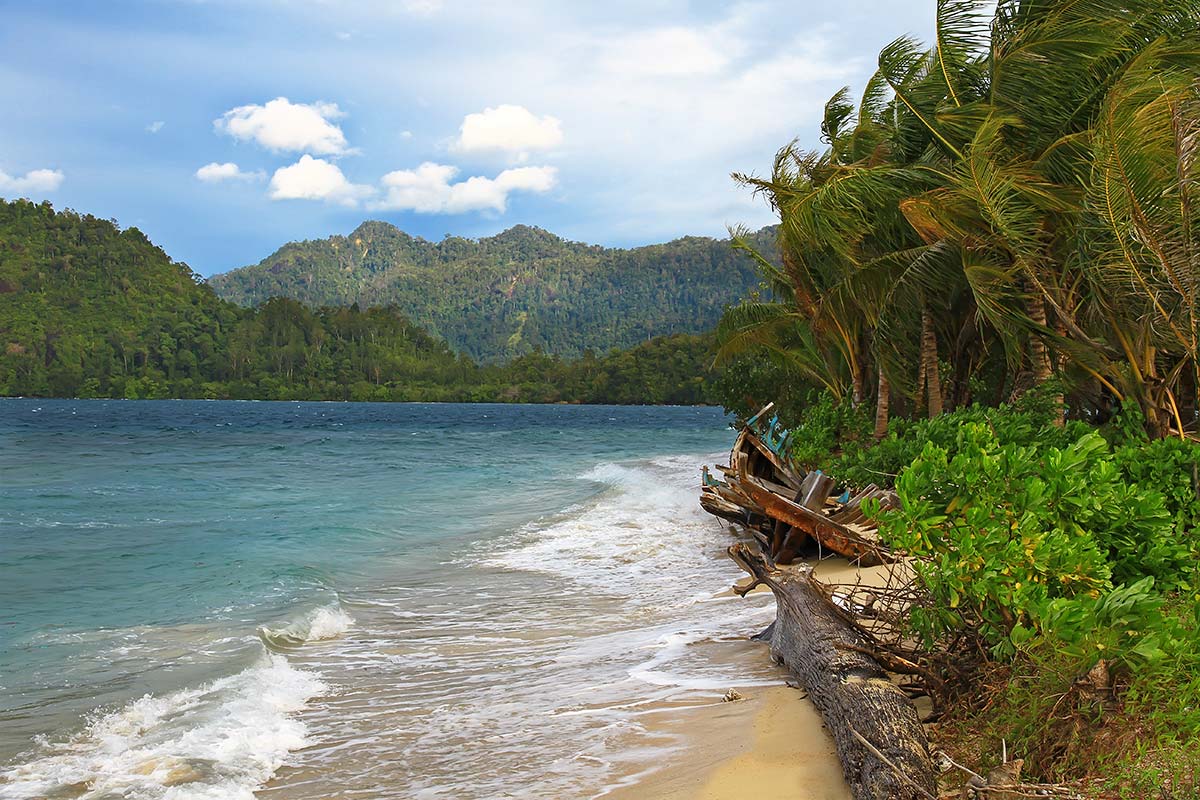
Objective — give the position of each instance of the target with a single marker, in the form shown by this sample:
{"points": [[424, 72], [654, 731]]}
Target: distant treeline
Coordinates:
{"points": [[89, 310]]}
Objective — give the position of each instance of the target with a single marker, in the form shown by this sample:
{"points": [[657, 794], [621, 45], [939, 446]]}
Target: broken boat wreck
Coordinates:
{"points": [[880, 741], [789, 514]]}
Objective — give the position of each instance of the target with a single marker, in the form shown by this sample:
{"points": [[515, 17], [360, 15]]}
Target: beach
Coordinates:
{"points": [[345, 600], [770, 743], [288, 630]]}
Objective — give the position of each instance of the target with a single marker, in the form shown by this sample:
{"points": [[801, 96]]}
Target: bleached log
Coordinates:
{"points": [[879, 738]]}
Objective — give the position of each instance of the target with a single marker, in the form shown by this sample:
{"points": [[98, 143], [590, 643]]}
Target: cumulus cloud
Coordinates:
{"points": [[215, 173], [508, 129], [32, 182], [155, 127], [428, 189], [316, 179], [283, 126]]}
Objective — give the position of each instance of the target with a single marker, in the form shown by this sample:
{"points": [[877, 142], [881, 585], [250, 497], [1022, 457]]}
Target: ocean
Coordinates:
{"points": [[354, 600]]}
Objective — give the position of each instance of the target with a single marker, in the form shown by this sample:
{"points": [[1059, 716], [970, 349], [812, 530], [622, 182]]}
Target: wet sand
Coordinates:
{"points": [[771, 743]]}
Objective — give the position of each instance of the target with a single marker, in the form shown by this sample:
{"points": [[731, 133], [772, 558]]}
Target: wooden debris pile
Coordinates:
{"points": [[789, 513], [847, 643]]}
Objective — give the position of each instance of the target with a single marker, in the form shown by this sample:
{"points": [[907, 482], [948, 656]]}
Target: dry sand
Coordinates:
{"points": [[770, 744], [792, 755]]}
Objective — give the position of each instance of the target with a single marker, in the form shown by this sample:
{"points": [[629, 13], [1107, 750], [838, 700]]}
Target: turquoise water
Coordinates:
{"points": [[208, 599]]}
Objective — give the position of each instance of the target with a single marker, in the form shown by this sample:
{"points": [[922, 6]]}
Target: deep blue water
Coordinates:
{"points": [[143, 544]]}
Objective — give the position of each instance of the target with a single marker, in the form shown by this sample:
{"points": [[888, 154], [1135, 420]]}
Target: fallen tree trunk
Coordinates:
{"points": [[879, 737]]}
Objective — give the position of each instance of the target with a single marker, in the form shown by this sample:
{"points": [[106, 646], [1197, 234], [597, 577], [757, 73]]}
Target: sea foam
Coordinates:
{"points": [[325, 622], [646, 540], [647, 522], [221, 740]]}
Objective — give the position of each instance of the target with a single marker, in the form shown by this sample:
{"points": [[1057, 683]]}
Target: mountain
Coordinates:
{"points": [[90, 310], [513, 293], [80, 297]]}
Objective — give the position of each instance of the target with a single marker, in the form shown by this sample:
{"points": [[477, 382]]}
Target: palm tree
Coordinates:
{"points": [[1023, 187], [1142, 231]]}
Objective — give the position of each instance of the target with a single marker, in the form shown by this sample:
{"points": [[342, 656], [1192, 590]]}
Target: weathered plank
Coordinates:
{"points": [[857, 544]]}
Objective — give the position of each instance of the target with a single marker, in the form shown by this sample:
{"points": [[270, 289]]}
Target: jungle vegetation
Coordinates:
{"points": [[511, 294], [90, 310], [987, 299]]}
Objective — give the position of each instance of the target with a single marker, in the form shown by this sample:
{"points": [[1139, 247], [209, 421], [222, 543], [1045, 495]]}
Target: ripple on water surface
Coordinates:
{"points": [[323, 600]]}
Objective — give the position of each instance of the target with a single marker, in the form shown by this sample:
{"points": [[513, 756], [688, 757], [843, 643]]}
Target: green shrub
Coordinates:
{"points": [[1028, 423], [1001, 531], [1169, 466], [823, 428]]}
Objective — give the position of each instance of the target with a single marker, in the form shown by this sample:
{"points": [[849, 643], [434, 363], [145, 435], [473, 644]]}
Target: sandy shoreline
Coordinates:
{"points": [[771, 743]]}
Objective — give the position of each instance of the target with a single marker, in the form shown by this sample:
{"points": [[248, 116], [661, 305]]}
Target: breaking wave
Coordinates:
{"points": [[646, 523], [220, 740], [326, 622]]}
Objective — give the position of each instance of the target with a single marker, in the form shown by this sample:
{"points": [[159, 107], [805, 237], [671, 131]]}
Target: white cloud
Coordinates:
{"points": [[345, 36], [406, 134], [428, 190], [32, 182], [215, 173], [316, 179], [508, 129], [156, 126], [283, 126]]}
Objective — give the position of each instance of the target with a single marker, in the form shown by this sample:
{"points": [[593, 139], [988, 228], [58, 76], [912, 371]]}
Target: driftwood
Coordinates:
{"points": [[879, 738], [856, 542]]}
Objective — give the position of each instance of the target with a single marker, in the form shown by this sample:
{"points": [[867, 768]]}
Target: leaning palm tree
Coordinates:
{"points": [[1017, 126], [776, 327], [841, 229], [1141, 238], [1025, 182]]}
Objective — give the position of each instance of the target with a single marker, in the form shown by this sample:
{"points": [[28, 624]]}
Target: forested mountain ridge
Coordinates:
{"points": [[78, 296], [90, 310], [522, 290]]}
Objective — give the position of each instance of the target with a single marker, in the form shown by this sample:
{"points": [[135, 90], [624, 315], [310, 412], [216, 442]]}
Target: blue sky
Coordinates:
{"points": [[224, 128]]}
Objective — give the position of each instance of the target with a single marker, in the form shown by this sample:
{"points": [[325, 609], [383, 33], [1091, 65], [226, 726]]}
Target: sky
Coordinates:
{"points": [[225, 128]]}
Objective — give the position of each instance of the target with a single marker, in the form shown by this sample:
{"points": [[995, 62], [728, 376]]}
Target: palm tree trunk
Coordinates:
{"points": [[922, 396], [929, 364], [861, 367], [881, 406], [1039, 354], [1060, 364]]}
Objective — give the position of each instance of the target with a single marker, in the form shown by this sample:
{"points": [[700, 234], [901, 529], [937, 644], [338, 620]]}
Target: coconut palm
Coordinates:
{"points": [[1021, 187], [1141, 235]]}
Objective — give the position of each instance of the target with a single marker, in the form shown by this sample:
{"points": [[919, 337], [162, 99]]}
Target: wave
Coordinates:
{"points": [[221, 740], [326, 622], [646, 541], [647, 521]]}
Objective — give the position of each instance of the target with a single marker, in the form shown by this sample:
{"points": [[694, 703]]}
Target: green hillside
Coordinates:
{"points": [[79, 297], [510, 294], [90, 310]]}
